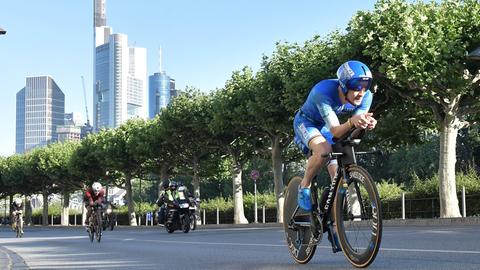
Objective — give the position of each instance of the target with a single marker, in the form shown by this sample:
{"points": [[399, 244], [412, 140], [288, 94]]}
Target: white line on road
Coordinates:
{"points": [[327, 247]]}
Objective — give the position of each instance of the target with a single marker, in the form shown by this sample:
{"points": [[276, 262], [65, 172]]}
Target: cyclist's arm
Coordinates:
{"points": [[332, 122], [361, 117]]}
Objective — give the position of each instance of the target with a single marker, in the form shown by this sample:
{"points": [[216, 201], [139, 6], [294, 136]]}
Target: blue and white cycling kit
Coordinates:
{"points": [[319, 113]]}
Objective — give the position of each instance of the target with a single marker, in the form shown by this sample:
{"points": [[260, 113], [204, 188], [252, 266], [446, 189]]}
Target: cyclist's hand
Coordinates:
{"points": [[373, 122], [361, 120]]}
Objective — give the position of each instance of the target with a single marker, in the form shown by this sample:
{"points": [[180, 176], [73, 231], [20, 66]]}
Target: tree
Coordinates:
{"points": [[419, 51], [230, 125], [127, 153], [55, 164], [184, 124]]}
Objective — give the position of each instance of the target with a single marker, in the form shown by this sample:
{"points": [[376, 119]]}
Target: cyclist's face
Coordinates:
{"points": [[355, 97]]}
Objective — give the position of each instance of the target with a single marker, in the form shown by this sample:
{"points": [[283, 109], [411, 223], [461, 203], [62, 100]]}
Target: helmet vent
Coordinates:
{"points": [[364, 71]]}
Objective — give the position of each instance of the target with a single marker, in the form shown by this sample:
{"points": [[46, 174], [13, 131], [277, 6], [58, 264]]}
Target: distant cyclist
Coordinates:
{"points": [[94, 195], [17, 213], [317, 123]]}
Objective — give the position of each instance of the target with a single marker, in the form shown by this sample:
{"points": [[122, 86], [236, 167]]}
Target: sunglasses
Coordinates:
{"points": [[358, 84]]}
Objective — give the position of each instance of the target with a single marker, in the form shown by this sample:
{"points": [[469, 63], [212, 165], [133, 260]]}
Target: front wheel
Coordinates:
{"points": [[193, 222], [99, 226], [113, 220], [186, 223], [358, 217], [300, 238]]}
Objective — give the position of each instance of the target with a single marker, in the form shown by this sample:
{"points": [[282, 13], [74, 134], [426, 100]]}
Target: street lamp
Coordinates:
{"points": [[2, 31]]}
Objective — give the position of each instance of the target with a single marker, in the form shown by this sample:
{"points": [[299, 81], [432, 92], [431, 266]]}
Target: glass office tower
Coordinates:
{"points": [[40, 109]]}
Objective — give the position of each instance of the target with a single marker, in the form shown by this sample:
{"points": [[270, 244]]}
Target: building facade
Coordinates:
{"points": [[120, 74], [40, 109], [159, 93]]}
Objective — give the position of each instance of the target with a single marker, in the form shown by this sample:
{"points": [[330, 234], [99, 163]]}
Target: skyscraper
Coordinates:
{"points": [[40, 109], [161, 89], [120, 74], [159, 92]]}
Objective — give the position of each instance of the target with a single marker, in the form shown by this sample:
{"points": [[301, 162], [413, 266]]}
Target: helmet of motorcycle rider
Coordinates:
{"points": [[96, 187], [165, 184], [173, 185], [18, 201]]}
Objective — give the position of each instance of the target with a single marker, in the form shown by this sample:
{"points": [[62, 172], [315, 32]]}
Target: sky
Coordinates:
{"points": [[202, 41]]}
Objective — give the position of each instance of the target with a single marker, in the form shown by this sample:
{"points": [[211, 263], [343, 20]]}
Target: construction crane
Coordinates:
{"points": [[88, 127]]}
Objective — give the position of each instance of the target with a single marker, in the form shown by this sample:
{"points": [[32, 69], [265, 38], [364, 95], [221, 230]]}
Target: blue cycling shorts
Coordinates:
{"points": [[306, 129]]}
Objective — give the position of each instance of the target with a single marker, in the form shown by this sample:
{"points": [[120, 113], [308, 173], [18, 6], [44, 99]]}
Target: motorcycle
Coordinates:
{"points": [[193, 210], [109, 216], [177, 216]]}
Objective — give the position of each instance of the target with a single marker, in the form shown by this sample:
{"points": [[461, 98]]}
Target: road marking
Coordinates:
{"points": [[327, 247], [431, 250]]}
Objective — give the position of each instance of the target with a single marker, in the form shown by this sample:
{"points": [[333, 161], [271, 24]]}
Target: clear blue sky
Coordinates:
{"points": [[203, 41]]}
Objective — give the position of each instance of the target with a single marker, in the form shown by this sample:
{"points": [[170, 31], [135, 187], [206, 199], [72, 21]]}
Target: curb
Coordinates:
{"points": [[11, 260], [389, 222]]}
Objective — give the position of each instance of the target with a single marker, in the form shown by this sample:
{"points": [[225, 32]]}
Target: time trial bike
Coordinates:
{"points": [[350, 213]]}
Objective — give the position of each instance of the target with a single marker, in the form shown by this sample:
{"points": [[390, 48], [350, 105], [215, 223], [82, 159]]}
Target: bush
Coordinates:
{"points": [[430, 186], [388, 190]]}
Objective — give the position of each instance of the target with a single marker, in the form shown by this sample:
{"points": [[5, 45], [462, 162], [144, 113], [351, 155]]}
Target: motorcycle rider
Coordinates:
{"points": [[167, 194]]}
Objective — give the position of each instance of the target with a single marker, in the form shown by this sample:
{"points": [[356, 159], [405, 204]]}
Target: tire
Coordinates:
{"points": [[304, 248], [186, 223], [91, 231], [99, 226], [113, 220], [169, 227], [20, 227], [193, 222], [359, 239]]}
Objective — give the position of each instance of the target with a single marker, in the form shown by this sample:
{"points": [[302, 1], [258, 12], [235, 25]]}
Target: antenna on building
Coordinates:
{"points": [[160, 59]]}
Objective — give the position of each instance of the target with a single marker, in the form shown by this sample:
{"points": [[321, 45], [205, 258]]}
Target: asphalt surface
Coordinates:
{"points": [[404, 246]]}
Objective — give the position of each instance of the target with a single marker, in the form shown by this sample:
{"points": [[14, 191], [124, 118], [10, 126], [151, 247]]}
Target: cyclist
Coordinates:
{"points": [[316, 123], [94, 195], [17, 211]]}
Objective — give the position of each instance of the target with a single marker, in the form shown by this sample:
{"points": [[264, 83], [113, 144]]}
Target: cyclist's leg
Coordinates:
{"points": [[20, 217], [89, 213]]}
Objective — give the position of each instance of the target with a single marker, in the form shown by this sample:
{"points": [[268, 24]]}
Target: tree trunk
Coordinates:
{"points": [[10, 210], [131, 209], [84, 214], [107, 187], [195, 180], [45, 208], [446, 169], [277, 164], [28, 210], [66, 208], [163, 176], [238, 211]]}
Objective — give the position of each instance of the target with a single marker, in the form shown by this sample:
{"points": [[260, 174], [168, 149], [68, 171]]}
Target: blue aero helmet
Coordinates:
{"points": [[354, 75]]}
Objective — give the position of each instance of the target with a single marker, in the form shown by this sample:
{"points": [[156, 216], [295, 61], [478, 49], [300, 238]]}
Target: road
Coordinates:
{"points": [[403, 247]]}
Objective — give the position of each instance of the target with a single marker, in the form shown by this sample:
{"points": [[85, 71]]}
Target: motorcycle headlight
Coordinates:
{"points": [[184, 205], [109, 210]]}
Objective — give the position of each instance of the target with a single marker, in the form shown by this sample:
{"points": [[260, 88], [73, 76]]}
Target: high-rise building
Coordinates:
{"points": [[161, 90], [119, 77], [71, 130], [40, 109], [73, 119]]}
